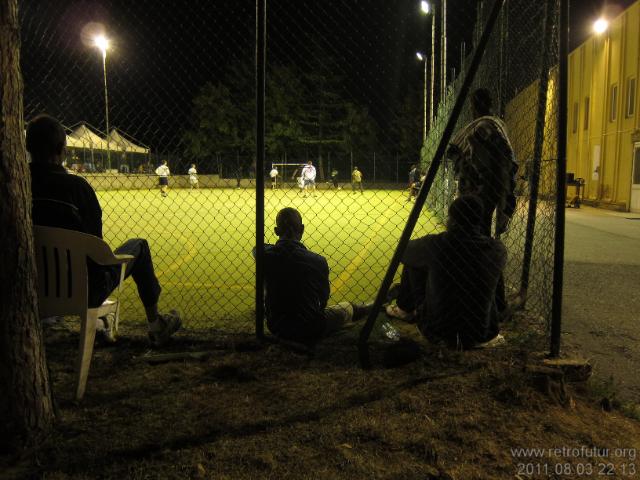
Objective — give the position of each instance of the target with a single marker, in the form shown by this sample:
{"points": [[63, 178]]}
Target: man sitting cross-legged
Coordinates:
{"points": [[297, 287], [449, 279], [46, 141]]}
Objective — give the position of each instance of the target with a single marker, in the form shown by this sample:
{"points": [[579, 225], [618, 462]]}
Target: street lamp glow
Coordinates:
{"points": [[420, 56], [101, 42], [600, 26], [425, 7]]}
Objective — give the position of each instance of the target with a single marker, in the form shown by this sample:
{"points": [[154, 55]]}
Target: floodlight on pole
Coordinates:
{"points": [[600, 26], [423, 58], [428, 9], [102, 43]]}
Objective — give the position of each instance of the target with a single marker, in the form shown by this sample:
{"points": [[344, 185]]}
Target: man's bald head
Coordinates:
{"points": [[289, 224], [46, 139]]}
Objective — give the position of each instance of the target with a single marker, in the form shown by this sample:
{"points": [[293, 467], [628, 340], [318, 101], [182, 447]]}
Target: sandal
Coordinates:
{"points": [[394, 311]]}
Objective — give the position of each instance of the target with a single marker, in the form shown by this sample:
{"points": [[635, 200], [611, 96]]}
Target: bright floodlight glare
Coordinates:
{"points": [[600, 26], [425, 6], [420, 56], [101, 42]]}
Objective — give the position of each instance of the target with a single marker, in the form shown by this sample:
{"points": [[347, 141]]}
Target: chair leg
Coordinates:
{"points": [[122, 272], [87, 339]]}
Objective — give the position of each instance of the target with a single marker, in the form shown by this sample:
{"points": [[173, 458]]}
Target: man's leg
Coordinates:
{"points": [[413, 284], [142, 271], [337, 316]]}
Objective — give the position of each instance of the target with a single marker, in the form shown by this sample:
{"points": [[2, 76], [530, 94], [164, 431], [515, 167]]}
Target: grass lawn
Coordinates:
{"points": [[201, 242]]}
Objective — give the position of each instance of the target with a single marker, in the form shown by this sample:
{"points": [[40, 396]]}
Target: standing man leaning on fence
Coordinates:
{"points": [[163, 177], [297, 287], [356, 180], [484, 164], [46, 141]]}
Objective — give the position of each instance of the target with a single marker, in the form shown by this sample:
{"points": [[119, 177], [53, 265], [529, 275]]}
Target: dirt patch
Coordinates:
{"points": [[259, 410]]}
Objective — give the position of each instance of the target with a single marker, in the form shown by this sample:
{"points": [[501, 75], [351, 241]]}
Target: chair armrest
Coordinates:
{"points": [[123, 258]]}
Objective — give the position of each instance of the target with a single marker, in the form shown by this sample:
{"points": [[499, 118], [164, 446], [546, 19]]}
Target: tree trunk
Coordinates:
{"points": [[26, 408]]}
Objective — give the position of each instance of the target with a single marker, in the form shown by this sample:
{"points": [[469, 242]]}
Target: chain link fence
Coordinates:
{"points": [[344, 90]]}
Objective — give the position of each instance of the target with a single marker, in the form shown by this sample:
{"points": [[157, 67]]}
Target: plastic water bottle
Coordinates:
{"points": [[389, 332]]}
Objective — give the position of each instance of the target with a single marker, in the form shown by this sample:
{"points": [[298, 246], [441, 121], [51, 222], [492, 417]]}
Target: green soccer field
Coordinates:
{"points": [[201, 242]]}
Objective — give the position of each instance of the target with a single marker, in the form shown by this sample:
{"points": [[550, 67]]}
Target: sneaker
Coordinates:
{"points": [[494, 342], [109, 330], [166, 325]]}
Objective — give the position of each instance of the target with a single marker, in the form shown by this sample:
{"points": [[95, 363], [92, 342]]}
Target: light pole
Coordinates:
{"points": [[424, 58], [426, 9], [102, 43]]}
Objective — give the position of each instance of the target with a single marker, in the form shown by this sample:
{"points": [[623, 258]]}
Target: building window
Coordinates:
{"points": [[613, 107], [631, 97], [586, 113], [574, 128]]}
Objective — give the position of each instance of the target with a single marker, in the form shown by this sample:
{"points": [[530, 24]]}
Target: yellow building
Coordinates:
{"points": [[603, 114]]}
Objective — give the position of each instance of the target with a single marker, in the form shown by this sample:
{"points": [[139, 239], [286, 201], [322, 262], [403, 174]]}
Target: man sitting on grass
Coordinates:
{"points": [[46, 141], [297, 287], [449, 280]]}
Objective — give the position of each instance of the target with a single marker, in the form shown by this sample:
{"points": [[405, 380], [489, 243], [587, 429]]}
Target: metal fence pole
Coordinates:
{"points": [[261, 24], [561, 174], [363, 346], [534, 181]]}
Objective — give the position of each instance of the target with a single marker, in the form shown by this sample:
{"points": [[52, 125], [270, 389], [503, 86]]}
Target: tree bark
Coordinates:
{"points": [[26, 408]]}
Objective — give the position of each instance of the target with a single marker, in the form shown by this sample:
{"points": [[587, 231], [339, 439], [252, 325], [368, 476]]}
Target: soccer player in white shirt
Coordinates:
{"points": [[163, 177], [193, 176], [274, 177], [309, 178]]}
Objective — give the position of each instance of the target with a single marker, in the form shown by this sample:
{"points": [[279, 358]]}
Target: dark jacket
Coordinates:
{"points": [[49, 181], [463, 269], [297, 291]]}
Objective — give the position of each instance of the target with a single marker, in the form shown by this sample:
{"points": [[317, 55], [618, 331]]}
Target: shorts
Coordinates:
{"points": [[193, 181], [163, 181], [309, 182]]}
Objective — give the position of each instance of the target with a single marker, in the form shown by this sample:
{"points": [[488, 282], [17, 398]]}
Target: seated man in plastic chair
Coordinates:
{"points": [[297, 288], [449, 280], [46, 141]]}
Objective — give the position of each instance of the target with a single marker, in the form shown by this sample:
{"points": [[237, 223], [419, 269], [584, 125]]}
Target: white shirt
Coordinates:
{"points": [[193, 174], [163, 171], [309, 172], [273, 173]]}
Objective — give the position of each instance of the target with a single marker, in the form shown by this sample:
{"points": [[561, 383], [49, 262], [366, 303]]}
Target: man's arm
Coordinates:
{"points": [[90, 211]]}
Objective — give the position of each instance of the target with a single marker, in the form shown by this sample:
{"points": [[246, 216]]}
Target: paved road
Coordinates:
{"points": [[601, 308]]}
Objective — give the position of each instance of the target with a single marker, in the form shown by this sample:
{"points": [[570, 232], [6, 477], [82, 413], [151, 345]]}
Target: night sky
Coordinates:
{"points": [[165, 51]]}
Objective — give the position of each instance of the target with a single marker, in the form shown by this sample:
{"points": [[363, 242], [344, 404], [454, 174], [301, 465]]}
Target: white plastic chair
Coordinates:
{"points": [[61, 257]]}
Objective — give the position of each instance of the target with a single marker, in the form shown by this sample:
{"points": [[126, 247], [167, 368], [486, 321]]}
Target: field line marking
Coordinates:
{"points": [[191, 253], [358, 260]]}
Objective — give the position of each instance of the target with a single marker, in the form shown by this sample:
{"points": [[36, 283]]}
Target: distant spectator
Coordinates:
{"points": [[273, 174], [414, 178], [449, 279], [46, 142], [163, 173], [309, 178], [297, 287], [334, 179], [356, 179], [193, 177]]}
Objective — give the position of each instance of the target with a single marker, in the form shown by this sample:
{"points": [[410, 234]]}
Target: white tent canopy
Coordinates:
{"points": [[82, 137], [119, 142]]}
